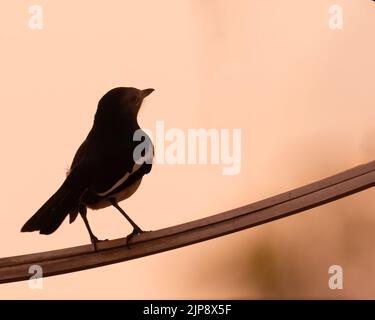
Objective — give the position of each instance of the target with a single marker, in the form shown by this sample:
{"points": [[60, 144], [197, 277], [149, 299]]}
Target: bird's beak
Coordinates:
{"points": [[146, 92]]}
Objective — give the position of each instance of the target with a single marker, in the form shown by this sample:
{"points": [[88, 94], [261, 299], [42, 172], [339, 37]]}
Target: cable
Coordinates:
{"points": [[285, 204]]}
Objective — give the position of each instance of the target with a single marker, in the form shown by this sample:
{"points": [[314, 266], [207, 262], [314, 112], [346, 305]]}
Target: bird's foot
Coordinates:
{"points": [[95, 241], [130, 236]]}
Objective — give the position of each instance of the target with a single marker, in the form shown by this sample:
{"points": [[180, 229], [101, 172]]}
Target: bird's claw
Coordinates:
{"points": [[130, 236], [95, 241]]}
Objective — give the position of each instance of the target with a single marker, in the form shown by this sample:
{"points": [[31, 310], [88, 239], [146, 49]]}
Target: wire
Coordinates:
{"points": [[285, 204]]}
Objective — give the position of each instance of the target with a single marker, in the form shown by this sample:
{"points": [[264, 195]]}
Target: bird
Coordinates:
{"points": [[107, 168]]}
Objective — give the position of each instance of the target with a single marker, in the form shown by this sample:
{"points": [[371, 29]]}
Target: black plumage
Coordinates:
{"points": [[105, 169]]}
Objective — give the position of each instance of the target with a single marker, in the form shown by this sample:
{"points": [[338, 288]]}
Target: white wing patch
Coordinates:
{"points": [[146, 158]]}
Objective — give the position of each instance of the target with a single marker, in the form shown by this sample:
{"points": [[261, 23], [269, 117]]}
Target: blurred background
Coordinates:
{"points": [[302, 93]]}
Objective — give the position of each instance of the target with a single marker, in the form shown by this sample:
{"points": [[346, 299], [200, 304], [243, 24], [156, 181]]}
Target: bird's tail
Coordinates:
{"points": [[50, 216]]}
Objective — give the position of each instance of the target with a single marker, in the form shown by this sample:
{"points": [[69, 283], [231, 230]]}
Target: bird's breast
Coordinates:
{"points": [[119, 196]]}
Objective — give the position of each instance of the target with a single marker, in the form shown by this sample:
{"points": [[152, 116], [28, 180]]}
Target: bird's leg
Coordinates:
{"points": [[136, 229], [83, 213]]}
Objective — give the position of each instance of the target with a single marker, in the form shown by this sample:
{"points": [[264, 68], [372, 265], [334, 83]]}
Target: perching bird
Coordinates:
{"points": [[107, 168]]}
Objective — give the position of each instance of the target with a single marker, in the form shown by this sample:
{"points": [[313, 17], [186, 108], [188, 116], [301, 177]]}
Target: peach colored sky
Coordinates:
{"points": [[302, 94]]}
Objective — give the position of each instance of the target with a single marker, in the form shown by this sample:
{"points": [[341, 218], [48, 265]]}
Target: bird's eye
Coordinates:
{"points": [[134, 99]]}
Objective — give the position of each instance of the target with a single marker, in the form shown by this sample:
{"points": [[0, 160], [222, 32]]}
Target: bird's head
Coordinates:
{"points": [[121, 103]]}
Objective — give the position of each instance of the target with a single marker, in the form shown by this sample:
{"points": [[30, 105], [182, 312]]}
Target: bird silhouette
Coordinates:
{"points": [[107, 168]]}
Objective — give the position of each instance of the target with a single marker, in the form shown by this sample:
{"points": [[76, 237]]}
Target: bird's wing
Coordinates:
{"points": [[120, 168], [79, 156]]}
